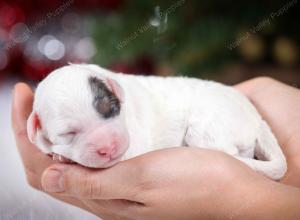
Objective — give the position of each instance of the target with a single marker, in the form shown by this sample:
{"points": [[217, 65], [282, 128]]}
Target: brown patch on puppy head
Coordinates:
{"points": [[105, 102]]}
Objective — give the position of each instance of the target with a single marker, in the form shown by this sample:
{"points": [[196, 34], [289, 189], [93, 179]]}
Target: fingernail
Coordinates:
{"points": [[52, 181]]}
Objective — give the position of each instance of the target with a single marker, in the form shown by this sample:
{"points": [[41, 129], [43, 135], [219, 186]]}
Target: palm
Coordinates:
{"points": [[279, 105]]}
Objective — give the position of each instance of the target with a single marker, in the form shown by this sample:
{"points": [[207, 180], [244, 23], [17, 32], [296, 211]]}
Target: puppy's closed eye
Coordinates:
{"points": [[69, 133], [66, 137]]}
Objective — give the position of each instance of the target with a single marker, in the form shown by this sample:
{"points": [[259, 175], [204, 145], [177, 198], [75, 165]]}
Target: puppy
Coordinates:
{"points": [[95, 117]]}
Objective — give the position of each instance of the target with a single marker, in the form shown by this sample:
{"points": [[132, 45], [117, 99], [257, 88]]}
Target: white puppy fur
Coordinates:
{"points": [[96, 118]]}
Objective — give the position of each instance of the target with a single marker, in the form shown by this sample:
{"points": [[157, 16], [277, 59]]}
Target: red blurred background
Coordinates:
{"points": [[228, 42]]}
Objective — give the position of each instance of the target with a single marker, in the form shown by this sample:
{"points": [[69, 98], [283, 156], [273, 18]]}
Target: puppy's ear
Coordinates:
{"points": [[115, 87], [33, 125]]}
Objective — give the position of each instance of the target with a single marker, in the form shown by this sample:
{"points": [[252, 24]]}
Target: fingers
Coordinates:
{"points": [[113, 192], [254, 85], [118, 182], [34, 161], [22, 107]]}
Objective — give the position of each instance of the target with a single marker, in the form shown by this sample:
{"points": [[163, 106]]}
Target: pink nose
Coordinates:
{"points": [[107, 151]]}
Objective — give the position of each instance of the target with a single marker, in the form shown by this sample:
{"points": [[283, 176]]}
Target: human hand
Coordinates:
{"points": [[279, 105], [180, 183], [207, 184]]}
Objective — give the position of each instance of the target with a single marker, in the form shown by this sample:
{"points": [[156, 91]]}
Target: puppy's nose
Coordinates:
{"points": [[107, 151]]}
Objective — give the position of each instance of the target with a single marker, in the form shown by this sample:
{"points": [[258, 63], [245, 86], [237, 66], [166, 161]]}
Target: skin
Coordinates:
{"points": [[159, 185]]}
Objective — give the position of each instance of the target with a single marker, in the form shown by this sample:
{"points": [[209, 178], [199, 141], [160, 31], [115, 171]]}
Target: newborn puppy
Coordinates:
{"points": [[95, 117]]}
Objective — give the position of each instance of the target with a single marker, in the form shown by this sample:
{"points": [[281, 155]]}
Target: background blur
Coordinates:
{"points": [[228, 41]]}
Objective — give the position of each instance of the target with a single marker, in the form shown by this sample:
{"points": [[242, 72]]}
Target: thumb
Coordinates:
{"points": [[118, 182]]}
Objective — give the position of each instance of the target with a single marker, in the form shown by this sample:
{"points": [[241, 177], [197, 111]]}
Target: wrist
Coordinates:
{"points": [[269, 200]]}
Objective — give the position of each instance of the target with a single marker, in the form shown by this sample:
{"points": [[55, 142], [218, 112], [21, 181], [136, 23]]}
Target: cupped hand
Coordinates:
{"points": [[181, 183]]}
